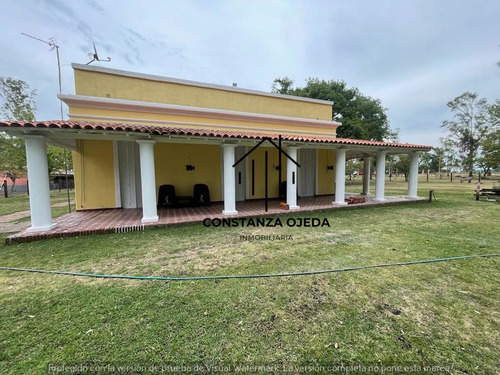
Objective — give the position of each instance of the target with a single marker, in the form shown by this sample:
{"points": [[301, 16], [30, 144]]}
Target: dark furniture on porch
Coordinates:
{"points": [[283, 191], [167, 196], [201, 195]]}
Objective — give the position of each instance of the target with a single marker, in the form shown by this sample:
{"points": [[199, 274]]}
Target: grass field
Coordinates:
{"points": [[439, 314], [17, 202]]}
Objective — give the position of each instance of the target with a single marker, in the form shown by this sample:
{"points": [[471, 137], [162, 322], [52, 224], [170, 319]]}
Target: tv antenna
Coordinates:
{"points": [[95, 56], [51, 42]]}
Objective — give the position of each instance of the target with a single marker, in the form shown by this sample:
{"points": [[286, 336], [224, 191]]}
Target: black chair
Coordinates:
{"points": [[167, 197], [201, 195], [283, 190]]}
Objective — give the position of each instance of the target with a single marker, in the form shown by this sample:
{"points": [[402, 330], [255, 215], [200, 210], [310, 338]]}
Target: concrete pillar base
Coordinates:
{"points": [[153, 219], [41, 229], [339, 203]]}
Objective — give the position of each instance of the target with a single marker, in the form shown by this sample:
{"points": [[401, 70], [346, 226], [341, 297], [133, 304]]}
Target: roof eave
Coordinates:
{"points": [[57, 126]]}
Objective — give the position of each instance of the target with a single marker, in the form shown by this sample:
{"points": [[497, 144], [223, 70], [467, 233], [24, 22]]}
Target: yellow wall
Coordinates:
{"points": [[234, 125], [94, 174], [273, 183], [101, 84], [326, 177], [93, 160], [170, 168], [94, 171]]}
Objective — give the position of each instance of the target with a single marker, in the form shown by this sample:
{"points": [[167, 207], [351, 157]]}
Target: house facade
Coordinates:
{"points": [[131, 133]]}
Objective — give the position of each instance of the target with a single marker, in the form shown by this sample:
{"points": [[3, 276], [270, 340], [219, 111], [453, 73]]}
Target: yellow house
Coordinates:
{"points": [[132, 133]]}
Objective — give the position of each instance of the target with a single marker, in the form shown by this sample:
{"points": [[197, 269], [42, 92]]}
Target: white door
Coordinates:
{"points": [[130, 174], [307, 173]]}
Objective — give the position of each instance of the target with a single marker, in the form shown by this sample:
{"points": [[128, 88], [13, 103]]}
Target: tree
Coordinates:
{"points": [[391, 159], [436, 160], [353, 166], [282, 86], [470, 125], [426, 161], [12, 158], [494, 113], [362, 117], [18, 100], [19, 105], [402, 165], [490, 158], [450, 158], [490, 145], [57, 157]]}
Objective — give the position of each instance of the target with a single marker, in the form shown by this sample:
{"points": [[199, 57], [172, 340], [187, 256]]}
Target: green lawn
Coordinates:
{"points": [[17, 202], [440, 314]]}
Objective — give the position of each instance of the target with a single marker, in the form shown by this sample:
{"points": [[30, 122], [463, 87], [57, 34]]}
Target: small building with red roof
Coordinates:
{"points": [[134, 136]]}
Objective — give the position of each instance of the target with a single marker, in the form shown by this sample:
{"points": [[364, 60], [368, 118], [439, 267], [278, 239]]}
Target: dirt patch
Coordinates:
{"points": [[404, 342], [385, 308], [343, 236]]}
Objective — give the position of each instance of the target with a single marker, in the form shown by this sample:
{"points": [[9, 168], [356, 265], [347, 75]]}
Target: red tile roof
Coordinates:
{"points": [[164, 130]]}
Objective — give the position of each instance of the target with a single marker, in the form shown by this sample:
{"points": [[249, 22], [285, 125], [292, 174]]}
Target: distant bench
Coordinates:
{"points": [[468, 179], [490, 194]]}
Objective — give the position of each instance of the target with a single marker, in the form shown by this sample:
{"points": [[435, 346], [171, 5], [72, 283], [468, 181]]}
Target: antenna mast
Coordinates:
{"points": [[51, 42], [53, 45]]}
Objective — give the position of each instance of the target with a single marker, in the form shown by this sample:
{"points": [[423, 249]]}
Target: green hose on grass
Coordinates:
{"points": [[190, 278]]}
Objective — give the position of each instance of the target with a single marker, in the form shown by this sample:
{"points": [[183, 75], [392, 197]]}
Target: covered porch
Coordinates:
{"points": [[82, 223], [135, 157]]}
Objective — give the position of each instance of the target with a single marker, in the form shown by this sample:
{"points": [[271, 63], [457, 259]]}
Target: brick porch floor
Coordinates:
{"points": [[125, 220]]}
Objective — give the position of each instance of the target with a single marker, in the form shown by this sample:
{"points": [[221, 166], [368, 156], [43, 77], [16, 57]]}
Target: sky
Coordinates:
{"points": [[413, 55]]}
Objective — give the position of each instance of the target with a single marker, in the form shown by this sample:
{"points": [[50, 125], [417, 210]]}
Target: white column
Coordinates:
{"points": [[380, 179], [291, 179], [229, 180], [413, 176], [366, 176], [340, 177], [148, 181], [38, 180]]}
